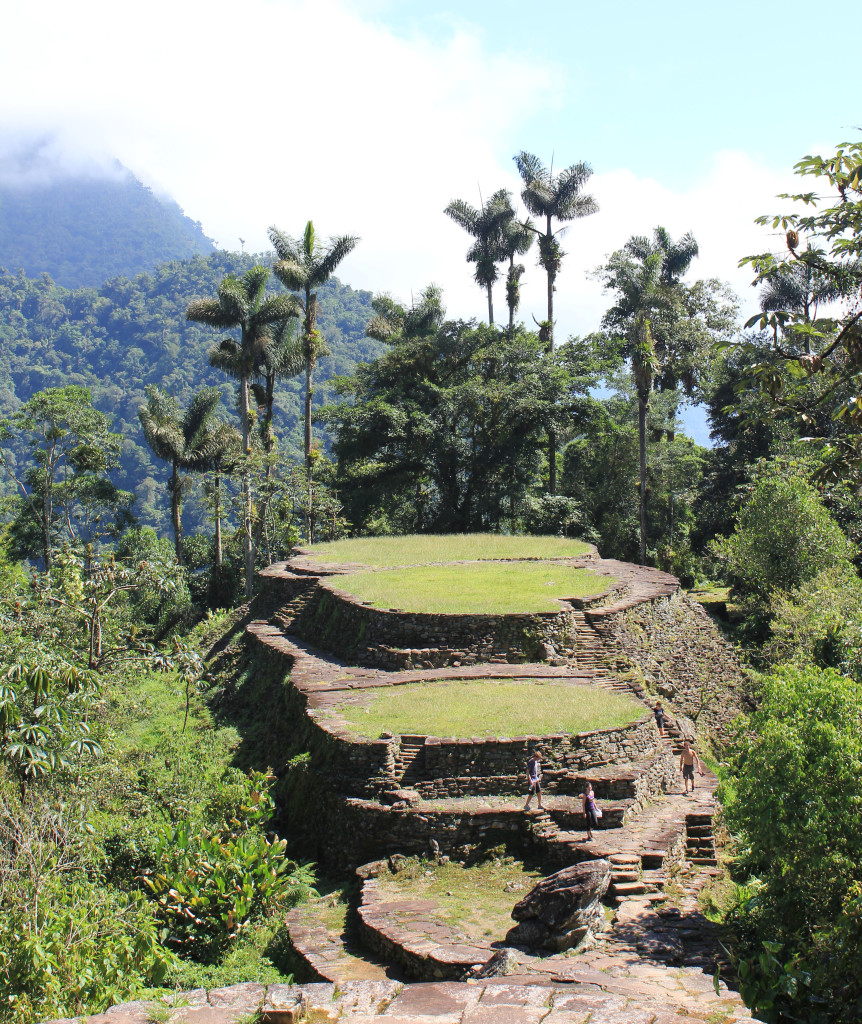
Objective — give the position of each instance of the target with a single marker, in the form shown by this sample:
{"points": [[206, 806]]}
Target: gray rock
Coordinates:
{"points": [[562, 910], [503, 962]]}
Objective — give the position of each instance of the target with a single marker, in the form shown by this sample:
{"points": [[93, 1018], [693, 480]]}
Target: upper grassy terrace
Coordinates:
{"points": [[424, 549], [477, 588]]}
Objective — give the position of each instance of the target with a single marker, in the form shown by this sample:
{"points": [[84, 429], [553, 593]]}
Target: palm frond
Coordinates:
{"points": [[199, 413], [464, 215], [336, 250], [210, 312], [286, 247], [291, 273]]}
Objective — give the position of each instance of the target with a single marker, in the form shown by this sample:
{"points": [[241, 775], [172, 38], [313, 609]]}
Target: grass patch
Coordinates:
{"points": [[494, 588], [489, 707], [476, 900], [425, 548]]}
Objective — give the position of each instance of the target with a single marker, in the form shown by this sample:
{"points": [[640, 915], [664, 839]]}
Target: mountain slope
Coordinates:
{"points": [[83, 230], [132, 332]]}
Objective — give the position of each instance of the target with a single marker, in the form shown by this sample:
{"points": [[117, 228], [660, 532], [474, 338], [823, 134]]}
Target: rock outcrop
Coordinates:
{"points": [[561, 911]]}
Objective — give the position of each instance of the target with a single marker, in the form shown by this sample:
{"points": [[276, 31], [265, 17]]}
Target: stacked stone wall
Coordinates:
{"points": [[681, 655], [391, 639]]}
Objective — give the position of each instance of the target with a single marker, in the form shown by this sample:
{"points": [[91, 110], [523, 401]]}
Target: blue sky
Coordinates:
{"points": [[369, 116]]}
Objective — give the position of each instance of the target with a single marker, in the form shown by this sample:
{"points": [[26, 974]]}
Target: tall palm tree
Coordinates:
{"points": [[485, 225], [646, 275], [553, 197], [183, 439], [801, 289], [281, 358], [303, 265], [517, 238], [242, 304]]}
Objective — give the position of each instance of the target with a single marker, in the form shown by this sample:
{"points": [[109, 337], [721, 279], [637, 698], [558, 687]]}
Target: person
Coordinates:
{"points": [[534, 779], [687, 761], [659, 718], [591, 811]]}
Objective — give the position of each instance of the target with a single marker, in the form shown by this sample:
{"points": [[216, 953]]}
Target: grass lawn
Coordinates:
{"points": [[477, 900], [424, 548], [489, 707], [493, 588]]}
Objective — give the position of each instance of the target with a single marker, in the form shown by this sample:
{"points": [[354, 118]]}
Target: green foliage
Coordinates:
{"points": [[815, 364], [784, 537], [820, 623], [128, 333], [792, 793], [210, 885], [65, 446], [441, 432], [553, 514]]}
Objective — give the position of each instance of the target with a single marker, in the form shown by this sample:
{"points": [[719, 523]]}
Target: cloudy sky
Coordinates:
{"points": [[368, 116]]}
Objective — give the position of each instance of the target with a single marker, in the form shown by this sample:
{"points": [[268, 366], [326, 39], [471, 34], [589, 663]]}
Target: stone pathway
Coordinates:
{"points": [[583, 996]]}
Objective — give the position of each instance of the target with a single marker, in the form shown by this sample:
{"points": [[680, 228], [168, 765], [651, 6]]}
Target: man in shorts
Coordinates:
{"points": [[534, 779], [687, 761]]}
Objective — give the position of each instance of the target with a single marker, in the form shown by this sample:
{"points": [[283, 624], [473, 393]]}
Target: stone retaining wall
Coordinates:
{"points": [[389, 639], [682, 656]]}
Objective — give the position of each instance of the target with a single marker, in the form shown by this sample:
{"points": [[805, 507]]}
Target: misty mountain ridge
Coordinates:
{"points": [[83, 223]]}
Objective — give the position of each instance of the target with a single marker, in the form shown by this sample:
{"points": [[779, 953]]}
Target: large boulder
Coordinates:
{"points": [[562, 910]]}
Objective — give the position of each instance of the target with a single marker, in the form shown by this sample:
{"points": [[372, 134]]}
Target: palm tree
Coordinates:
{"points": [[646, 275], [242, 304], [517, 239], [800, 289], [553, 197], [281, 358], [303, 265], [393, 323], [225, 447], [486, 226], [185, 440]]}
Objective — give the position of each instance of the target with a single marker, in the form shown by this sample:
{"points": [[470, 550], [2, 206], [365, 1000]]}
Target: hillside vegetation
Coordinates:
{"points": [[128, 333], [82, 231]]}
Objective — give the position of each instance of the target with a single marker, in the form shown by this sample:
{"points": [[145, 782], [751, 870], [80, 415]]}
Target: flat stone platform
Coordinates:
{"points": [[581, 995]]}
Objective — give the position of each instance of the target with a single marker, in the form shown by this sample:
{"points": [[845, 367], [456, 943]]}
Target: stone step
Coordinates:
{"points": [[624, 876], [624, 858], [704, 861], [627, 888]]}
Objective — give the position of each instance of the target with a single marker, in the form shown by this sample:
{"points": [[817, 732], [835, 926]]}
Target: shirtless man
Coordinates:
{"points": [[687, 761]]}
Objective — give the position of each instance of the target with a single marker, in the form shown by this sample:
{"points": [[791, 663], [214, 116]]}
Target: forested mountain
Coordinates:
{"points": [[129, 333], [84, 230]]}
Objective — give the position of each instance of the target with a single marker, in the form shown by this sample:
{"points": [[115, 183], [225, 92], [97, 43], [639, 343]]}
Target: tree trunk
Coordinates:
{"points": [[309, 393], [551, 276], [509, 292], [248, 547], [490, 308], [552, 435], [175, 513], [642, 411], [46, 521], [218, 518]]}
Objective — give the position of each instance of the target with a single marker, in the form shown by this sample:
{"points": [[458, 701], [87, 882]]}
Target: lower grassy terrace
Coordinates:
{"points": [[487, 707]]}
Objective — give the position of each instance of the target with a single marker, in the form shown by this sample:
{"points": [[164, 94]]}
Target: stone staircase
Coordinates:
{"points": [[700, 840], [411, 760]]}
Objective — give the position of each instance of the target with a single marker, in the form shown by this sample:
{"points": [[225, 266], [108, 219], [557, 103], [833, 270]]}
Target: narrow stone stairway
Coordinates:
{"points": [[411, 760], [700, 841]]}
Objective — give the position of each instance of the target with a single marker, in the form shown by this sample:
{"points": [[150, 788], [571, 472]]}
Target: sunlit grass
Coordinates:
{"points": [[424, 548], [494, 588], [489, 707], [475, 901]]}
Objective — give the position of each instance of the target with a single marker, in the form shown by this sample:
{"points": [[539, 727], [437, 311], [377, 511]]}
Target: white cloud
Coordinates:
{"points": [[283, 110]]}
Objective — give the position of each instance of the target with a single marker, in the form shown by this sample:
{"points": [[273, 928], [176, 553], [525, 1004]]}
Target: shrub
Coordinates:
{"points": [[792, 794], [784, 537], [209, 885]]}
